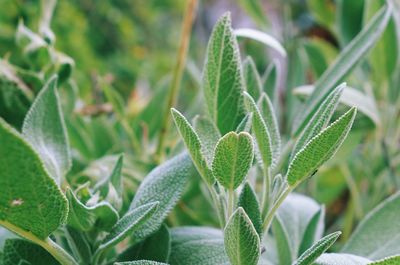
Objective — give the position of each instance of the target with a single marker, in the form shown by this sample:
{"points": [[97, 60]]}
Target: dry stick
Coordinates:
{"points": [[177, 74]]}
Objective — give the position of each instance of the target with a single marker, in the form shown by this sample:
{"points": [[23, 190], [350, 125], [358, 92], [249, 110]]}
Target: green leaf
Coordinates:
{"points": [[394, 260], [245, 124], [378, 234], [44, 129], [261, 37], [194, 146], [260, 132], [30, 199], [323, 11], [130, 222], [341, 259], [319, 149], [248, 201], [197, 246], [269, 80], [255, 10], [140, 262], [252, 78], [164, 184], [342, 65], [316, 250], [241, 240], [282, 241], [84, 218], [351, 97], [313, 230], [233, 158], [269, 115], [78, 244], [222, 78], [208, 135], [319, 120], [349, 18], [157, 247], [19, 250]]}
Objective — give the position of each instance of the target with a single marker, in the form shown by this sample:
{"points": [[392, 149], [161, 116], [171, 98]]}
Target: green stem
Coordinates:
{"points": [[55, 250], [177, 74], [270, 216], [265, 191]]}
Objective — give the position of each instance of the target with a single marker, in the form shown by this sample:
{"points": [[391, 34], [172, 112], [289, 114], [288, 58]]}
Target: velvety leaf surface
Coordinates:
{"points": [[78, 244], [197, 246], [378, 234], [209, 136], [130, 222], [316, 250], [395, 260], [29, 197], [248, 201], [19, 250], [353, 52], [319, 149], [233, 158], [164, 184], [241, 240], [341, 259], [84, 218], [222, 78], [44, 129], [194, 146]]}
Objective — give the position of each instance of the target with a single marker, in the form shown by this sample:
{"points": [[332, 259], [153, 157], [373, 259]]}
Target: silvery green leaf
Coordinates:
{"points": [[44, 129], [140, 262], [130, 222], [17, 250], [232, 159], [84, 218], [30, 198], [319, 149], [260, 132], [248, 201], [164, 184], [222, 77], [261, 37], [194, 146], [378, 234], [245, 124], [319, 120], [351, 97], [282, 241], [269, 115], [241, 240], [197, 246], [269, 80], [353, 52], [316, 250], [252, 78], [394, 260], [341, 259], [314, 230], [208, 134]]}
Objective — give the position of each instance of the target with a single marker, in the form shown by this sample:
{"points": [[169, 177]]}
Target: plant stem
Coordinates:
{"points": [[231, 201], [270, 216], [50, 246], [265, 191], [177, 74]]}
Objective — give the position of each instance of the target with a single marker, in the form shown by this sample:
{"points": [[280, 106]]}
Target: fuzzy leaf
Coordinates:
{"points": [[341, 259], [319, 120], [19, 250], [394, 260], [194, 146], [316, 250], [245, 124], [242, 243], [222, 78], [353, 52], [269, 115], [319, 149], [78, 244], [313, 230], [30, 198], [84, 218], [44, 129], [197, 246], [165, 184], [233, 158], [140, 262], [378, 234], [208, 135], [248, 201], [252, 78], [260, 132], [131, 221]]}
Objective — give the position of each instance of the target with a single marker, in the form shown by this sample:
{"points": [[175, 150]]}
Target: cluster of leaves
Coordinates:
{"points": [[248, 168]]}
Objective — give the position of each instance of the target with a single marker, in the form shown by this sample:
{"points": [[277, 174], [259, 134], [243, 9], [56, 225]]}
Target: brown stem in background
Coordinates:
{"points": [[177, 75]]}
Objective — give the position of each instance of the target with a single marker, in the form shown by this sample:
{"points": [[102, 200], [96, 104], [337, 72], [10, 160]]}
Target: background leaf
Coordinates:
{"points": [[18, 250]]}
